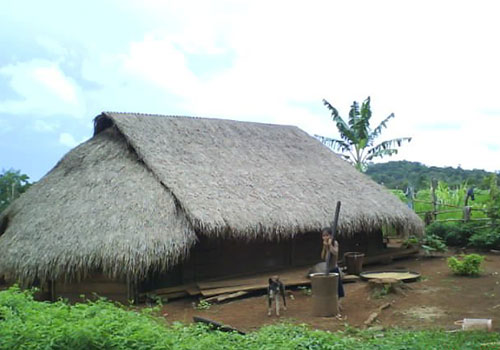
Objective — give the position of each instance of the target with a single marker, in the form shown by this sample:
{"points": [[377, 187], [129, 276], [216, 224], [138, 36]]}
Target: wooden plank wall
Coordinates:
{"points": [[97, 283], [363, 242], [225, 258], [214, 258], [306, 249]]}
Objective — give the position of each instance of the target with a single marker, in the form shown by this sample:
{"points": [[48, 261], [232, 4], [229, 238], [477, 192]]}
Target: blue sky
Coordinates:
{"points": [[433, 63]]}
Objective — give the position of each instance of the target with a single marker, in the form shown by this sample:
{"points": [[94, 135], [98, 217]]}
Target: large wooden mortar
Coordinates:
{"points": [[324, 294]]}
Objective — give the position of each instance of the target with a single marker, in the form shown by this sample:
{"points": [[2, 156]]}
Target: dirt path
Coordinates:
{"points": [[437, 300]]}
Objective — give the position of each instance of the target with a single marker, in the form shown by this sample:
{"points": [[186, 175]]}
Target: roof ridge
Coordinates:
{"points": [[109, 113]]}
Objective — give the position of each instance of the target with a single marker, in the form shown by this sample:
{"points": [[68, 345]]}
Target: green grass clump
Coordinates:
{"points": [[466, 265], [28, 324]]}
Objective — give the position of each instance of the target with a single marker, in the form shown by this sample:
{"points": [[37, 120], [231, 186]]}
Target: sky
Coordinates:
{"points": [[434, 64]]}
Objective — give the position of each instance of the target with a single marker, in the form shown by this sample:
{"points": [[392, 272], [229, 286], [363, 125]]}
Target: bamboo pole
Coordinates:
{"points": [[441, 211], [447, 205], [478, 219]]}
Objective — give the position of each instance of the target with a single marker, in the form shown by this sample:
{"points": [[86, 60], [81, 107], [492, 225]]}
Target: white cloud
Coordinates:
{"points": [[288, 58], [44, 90], [68, 140], [54, 80], [160, 63], [45, 126], [53, 47], [434, 64]]}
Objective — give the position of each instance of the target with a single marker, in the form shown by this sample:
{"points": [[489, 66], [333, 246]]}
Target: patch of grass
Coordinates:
{"points": [[305, 290], [489, 294], [448, 280], [28, 324], [381, 292], [203, 305]]}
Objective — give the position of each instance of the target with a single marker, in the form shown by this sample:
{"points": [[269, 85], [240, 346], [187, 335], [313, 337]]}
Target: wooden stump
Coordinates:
{"points": [[387, 285]]}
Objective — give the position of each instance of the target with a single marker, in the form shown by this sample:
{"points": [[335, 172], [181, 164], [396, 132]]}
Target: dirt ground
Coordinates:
{"points": [[438, 299]]}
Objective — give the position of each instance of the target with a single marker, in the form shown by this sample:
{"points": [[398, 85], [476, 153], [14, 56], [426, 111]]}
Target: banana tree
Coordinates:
{"points": [[357, 139]]}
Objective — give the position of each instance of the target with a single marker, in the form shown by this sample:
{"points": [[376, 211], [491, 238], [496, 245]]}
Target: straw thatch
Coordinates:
{"points": [[132, 197], [98, 208]]}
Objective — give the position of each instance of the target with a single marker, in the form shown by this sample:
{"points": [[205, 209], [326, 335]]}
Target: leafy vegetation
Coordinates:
{"points": [[357, 138], [453, 234], [12, 185], [305, 290], [430, 243], [203, 305], [482, 230], [485, 239], [402, 174], [493, 203], [466, 265], [28, 324]]}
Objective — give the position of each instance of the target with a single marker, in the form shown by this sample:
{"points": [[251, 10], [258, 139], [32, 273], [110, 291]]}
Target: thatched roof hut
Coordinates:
{"points": [[138, 194]]}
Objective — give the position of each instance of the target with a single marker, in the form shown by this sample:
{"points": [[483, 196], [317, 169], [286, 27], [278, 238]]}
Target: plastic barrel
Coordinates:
{"points": [[474, 324], [354, 262], [324, 294]]}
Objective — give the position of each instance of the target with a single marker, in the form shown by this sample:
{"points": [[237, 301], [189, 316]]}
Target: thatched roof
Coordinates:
{"points": [[132, 197]]}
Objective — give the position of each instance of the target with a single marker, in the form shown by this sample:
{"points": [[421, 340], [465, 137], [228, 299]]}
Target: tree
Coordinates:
{"points": [[357, 143], [12, 184]]}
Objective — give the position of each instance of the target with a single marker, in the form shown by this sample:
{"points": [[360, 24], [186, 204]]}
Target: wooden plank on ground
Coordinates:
{"points": [[173, 289], [226, 290], [254, 279], [171, 295], [231, 296], [395, 254], [193, 290], [350, 278], [232, 282], [224, 297], [289, 282]]}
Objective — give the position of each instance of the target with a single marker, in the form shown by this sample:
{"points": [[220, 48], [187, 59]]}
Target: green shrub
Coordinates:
{"points": [[459, 233], [453, 234], [439, 229], [486, 239], [466, 265]]}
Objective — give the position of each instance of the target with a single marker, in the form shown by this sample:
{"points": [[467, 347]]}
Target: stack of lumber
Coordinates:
{"points": [[172, 292], [216, 291], [225, 289]]}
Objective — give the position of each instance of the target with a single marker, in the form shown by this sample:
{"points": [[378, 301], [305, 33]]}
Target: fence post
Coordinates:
{"points": [[434, 198], [466, 212]]}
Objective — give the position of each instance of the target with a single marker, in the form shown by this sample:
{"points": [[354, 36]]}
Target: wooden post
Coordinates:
{"points": [[466, 213], [132, 289], [334, 232], [434, 198], [52, 290]]}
